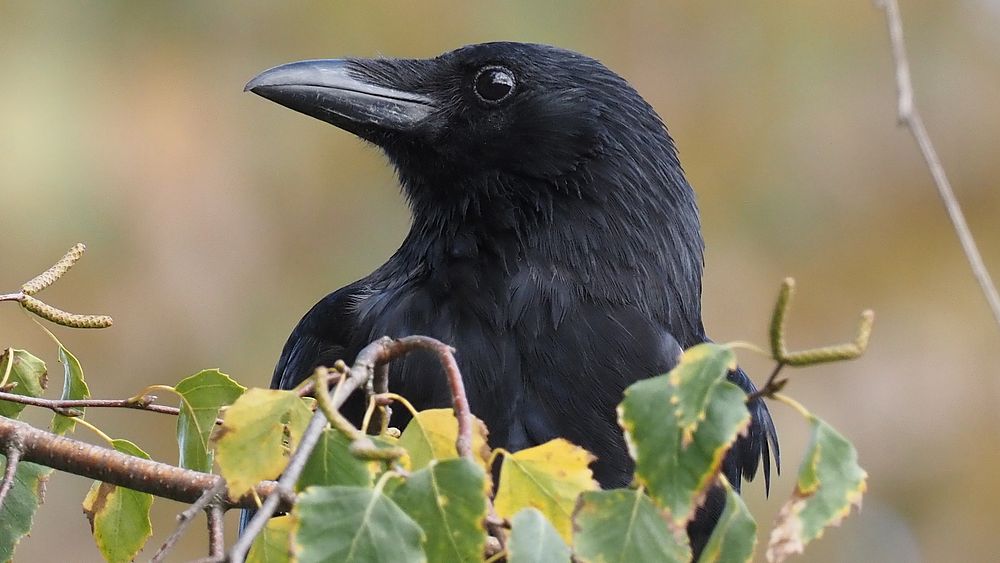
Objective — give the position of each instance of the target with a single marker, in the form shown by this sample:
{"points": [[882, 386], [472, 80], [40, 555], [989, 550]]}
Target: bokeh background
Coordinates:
{"points": [[215, 218]]}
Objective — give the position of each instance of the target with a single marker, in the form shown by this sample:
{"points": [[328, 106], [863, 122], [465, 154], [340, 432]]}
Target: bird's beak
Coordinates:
{"points": [[324, 89]]}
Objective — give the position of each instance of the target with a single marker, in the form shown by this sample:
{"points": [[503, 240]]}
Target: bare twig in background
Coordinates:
{"points": [[910, 117], [184, 519]]}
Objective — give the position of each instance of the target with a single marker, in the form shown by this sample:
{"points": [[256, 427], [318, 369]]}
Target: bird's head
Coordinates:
{"points": [[528, 153], [491, 118]]}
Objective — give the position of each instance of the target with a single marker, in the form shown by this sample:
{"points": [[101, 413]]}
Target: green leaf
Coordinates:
{"points": [[548, 477], [674, 474], [274, 544], [694, 379], [250, 446], [119, 517], [625, 525], [25, 494], [830, 482], [202, 395], [331, 463], [28, 372], [534, 540], [448, 500], [735, 535], [74, 388], [354, 524], [432, 434]]}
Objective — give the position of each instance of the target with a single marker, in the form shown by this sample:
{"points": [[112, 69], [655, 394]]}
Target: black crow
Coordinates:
{"points": [[555, 243]]}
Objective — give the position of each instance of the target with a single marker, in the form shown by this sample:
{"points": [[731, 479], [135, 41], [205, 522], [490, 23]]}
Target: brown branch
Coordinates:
{"points": [[66, 407], [910, 118], [216, 535], [13, 454], [771, 386], [333, 375], [107, 465], [380, 385], [446, 354], [185, 518]]}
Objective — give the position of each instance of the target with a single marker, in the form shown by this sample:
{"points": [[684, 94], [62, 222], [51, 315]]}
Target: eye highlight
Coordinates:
{"points": [[494, 84]]}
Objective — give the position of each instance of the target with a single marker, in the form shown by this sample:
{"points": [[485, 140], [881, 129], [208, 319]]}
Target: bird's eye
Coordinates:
{"points": [[494, 84]]}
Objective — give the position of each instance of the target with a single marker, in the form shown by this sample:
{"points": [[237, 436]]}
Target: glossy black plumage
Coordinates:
{"points": [[555, 244]]}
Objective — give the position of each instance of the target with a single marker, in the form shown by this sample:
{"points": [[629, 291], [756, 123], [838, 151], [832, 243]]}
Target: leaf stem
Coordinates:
{"points": [[794, 404], [110, 441]]}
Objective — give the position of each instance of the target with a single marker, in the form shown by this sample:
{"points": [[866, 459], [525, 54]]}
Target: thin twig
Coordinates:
{"points": [[284, 488], [771, 386], [185, 518], [334, 375], [13, 453], [446, 354], [65, 407], [909, 117], [216, 536], [380, 385], [361, 445]]}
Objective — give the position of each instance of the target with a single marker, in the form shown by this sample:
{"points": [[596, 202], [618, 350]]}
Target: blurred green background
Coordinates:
{"points": [[216, 219]]}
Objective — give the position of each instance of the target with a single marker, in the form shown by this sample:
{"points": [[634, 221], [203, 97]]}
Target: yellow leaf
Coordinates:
{"points": [[548, 477], [273, 545], [250, 444], [432, 433]]}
